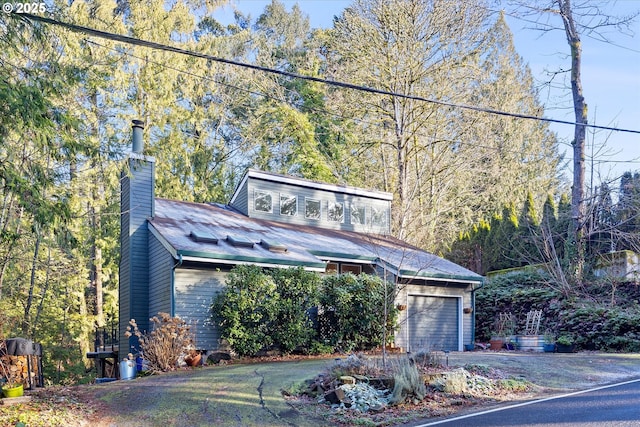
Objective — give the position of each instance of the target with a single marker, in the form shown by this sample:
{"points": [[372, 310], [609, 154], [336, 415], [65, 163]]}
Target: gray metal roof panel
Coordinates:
{"points": [[306, 245]]}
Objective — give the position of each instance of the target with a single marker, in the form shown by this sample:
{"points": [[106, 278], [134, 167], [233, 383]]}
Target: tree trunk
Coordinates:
{"points": [[580, 111], [26, 322]]}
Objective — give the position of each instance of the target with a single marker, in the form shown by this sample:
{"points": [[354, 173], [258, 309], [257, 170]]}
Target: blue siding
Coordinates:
{"points": [[194, 292], [137, 204], [241, 199], [160, 265], [125, 267], [325, 197]]}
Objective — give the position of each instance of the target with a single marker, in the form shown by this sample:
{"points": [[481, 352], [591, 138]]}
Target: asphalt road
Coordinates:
{"points": [[612, 405]]}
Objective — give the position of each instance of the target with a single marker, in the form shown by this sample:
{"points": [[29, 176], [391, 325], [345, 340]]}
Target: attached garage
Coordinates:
{"points": [[433, 322]]}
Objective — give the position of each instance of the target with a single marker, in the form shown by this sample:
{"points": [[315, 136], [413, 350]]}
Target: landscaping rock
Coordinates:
{"points": [[216, 357], [335, 396], [347, 379], [382, 383]]}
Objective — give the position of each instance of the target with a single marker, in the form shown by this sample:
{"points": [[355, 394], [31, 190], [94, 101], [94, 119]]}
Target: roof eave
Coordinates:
{"points": [[242, 259], [441, 277]]}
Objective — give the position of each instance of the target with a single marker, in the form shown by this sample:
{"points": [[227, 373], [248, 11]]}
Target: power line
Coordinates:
{"points": [[159, 46], [310, 109]]}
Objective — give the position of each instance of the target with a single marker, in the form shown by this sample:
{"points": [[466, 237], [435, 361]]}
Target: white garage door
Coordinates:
{"points": [[433, 323]]}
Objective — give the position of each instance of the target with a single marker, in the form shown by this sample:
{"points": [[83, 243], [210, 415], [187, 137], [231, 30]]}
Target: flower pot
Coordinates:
{"points": [[193, 359], [496, 344], [565, 348], [15, 391], [549, 347], [140, 364], [533, 343], [128, 369]]}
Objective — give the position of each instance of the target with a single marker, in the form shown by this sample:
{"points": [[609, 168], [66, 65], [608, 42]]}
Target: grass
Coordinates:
{"points": [[251, 394]]}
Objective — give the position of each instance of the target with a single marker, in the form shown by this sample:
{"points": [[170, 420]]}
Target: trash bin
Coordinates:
{"points": [[128, 369]]}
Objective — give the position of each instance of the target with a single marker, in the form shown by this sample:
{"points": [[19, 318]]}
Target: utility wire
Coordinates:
{"points": [[159, 46], [277, 99]]}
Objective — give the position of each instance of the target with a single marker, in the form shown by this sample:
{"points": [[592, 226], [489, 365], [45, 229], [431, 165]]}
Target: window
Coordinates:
{"points": [[273, 246], [203, 237], [378, 217], [288, 205], [335, 212], [262, 201], [357, 214], [332, 268], [239, 241], [351, 268], [312, 209]]}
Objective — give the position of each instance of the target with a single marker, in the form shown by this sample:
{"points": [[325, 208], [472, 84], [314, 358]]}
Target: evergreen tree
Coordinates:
{"points": [[628, 211]]}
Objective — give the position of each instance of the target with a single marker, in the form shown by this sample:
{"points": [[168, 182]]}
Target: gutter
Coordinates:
{"points": [[173, 284]]}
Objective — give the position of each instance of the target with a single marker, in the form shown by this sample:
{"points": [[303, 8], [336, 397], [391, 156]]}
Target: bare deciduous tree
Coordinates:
{"points": [[576, 19]]}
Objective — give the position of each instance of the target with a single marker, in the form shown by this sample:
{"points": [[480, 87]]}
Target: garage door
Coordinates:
{"points": [[433, 323]]}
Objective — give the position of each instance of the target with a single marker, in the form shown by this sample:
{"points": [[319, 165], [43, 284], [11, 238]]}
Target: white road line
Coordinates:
{"points": [[575, 393]]}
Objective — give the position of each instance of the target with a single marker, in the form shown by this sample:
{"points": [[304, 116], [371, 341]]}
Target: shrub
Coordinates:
{"points": [[260, 308], [408, 383], [297, 292], [267, 308], [245, 309], [170, 337], [317, 347], [352, 311], [516, 293], [600, 315]]}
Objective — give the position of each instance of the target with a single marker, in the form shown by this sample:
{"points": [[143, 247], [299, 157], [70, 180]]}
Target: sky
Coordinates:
{"points": [[610, 80]]}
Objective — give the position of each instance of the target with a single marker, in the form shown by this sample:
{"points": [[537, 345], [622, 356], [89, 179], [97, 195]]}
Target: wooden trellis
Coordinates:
{"points": [[533, 322]]}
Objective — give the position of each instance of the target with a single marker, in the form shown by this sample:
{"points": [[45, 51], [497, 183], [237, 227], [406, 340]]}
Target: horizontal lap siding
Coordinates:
{"points": [[241, 200], [312, 193], [136, 200], [124, 293], [160, 265], [194, 291]]}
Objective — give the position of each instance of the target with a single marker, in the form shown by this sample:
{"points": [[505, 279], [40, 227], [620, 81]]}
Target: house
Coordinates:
{"points": [[175, 255]]}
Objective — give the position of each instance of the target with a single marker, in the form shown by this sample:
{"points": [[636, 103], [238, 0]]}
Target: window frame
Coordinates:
{"points": [[354, 207], [289, 197], [329, 219], [306, 215], [263, 192]]}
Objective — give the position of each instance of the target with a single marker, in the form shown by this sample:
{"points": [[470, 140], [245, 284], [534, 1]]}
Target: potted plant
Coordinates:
{"points": [[565, 344], [193, 357], [530, 339], [549, 345], [504, 326]]}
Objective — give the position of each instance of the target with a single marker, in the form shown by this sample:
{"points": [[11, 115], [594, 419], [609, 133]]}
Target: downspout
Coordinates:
{"points": [[173, 284], [473, 313]]}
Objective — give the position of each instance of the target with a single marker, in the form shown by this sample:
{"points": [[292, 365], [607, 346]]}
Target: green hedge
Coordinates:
{"points": [[601, 315], [261, 309], [352, 311]]}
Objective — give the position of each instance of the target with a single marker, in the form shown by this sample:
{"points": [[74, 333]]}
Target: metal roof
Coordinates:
{"points": [[306, 246]]}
